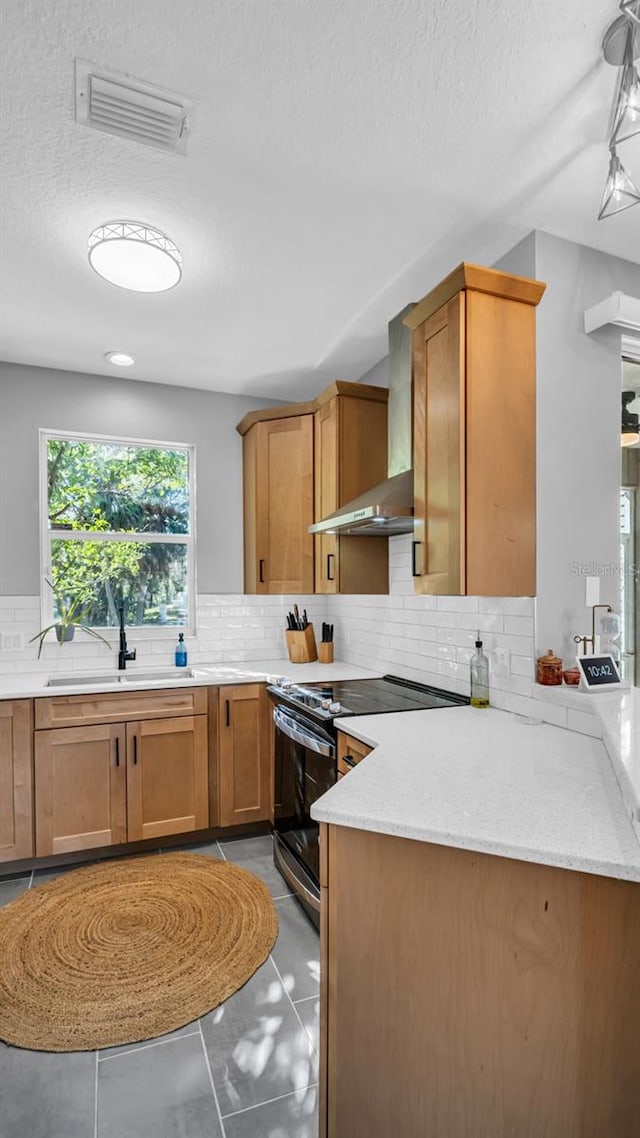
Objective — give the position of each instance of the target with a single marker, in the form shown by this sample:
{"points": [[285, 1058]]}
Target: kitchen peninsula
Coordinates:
{"points": [[481, 934]]}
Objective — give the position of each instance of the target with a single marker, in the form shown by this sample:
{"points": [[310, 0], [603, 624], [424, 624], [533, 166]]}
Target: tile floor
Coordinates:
{"points": [[248, 1069]]}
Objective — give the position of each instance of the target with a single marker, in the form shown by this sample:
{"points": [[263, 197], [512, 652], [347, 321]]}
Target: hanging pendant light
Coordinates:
{"points": [[626, 115], [620, 48], [631, 9], [620, 191]]}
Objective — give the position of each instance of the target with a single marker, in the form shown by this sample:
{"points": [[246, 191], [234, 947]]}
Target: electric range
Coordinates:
{"points": [[306, 759], [333, 699]]}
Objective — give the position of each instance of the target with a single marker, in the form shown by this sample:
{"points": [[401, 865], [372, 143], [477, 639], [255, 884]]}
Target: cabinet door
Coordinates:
{"points": [[500, 447], [326, 494], [439, 451], [16, 808], [284, 505], [80, 788], [350, 457], [167, 777], [245, 776]]}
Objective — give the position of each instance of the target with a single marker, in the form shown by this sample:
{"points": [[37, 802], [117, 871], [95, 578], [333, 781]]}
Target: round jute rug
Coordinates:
{"points": [[127, 950]]}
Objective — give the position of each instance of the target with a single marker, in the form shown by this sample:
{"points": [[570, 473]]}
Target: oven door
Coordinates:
{"points": [[305, 767]]}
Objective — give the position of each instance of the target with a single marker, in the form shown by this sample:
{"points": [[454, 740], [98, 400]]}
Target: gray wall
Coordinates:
{"points": [[32, 397], [521, 260], [378, 375], [579, 385], [578, 431]]}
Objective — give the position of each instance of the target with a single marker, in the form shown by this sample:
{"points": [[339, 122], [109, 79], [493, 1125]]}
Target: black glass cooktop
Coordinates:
{"points": [[333, 698]]}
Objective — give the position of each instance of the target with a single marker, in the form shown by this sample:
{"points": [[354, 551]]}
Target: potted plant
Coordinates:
{"points": [[71, 615]]}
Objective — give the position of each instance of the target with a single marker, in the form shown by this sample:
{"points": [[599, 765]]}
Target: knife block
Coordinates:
{"points": [[301, 646], [325, 652]]}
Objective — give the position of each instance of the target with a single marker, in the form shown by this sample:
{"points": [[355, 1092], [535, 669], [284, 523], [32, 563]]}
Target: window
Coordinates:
{"points": [[117, 529]]}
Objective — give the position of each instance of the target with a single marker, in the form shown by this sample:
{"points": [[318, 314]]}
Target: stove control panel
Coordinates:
{"points": [[306, 697]]}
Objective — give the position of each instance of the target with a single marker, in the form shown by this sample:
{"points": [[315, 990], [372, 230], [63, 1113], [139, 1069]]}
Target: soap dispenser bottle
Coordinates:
{"points": [[181, 652], [479, 667]]}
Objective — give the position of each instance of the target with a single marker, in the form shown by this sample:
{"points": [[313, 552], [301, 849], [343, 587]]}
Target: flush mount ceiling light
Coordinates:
{"points": [[121, 359], [630, 423], [135, 256], [621, 47]]}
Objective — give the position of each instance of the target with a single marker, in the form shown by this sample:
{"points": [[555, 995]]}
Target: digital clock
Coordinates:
{"points": [[599, 671]]}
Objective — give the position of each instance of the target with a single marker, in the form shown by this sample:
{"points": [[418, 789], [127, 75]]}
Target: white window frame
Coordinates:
{"points": [[151, 632]]}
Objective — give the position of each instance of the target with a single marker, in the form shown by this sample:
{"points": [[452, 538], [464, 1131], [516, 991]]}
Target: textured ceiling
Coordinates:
{"points": [[344, 156]]}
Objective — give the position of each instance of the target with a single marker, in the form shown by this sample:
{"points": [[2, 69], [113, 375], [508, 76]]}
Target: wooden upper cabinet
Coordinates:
{"points": [[350, 457], [475, 435], [245, 777], [16, 809], [278, 505]]}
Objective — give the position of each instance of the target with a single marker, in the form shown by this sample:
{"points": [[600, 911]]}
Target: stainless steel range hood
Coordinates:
{"points": [[387, 508]]}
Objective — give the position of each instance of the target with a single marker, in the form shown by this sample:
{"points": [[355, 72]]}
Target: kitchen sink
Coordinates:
{"points": [[159, 675], [82, 679]]}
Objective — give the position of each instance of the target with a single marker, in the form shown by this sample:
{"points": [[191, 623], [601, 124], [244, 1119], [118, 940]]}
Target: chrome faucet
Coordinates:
{"points": [[125, 653]]}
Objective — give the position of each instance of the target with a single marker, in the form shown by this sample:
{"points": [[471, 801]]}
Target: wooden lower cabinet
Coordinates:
{"points": [[103, 784], [167, 777], [465, 995], [80, 788], [16, 813], [245, 778]]}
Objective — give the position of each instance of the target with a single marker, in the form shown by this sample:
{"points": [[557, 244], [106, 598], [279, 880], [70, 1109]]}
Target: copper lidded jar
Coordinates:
{"points": [[549, 669]]}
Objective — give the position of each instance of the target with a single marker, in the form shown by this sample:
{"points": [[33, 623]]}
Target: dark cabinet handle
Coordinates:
{"points": [[117, 742], [414, 546], [349, 761], [261, 568], [135, 750], [227, 709], [330, 557]]}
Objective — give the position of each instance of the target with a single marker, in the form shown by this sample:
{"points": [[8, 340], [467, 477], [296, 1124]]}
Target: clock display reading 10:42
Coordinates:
{"points": [[598, 671]]}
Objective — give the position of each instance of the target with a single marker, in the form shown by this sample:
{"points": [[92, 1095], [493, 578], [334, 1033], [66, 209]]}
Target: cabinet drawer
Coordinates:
{"points": [[350, 752], [119, 706]]}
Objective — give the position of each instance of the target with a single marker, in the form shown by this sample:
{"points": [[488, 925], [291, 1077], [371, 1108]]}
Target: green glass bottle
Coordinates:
{"points": [[479, 666]]}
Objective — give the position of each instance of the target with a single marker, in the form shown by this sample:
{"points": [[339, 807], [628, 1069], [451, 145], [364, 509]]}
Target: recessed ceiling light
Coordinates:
{"points": [[122, 359], [135, 256]]}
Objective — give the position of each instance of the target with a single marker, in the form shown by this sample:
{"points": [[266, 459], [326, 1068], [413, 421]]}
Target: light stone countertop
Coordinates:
{"points": [[29, 685], [487, 781], [619, 714]]}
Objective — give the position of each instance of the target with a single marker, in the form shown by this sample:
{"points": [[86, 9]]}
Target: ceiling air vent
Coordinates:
{"points": [[131, 109]]}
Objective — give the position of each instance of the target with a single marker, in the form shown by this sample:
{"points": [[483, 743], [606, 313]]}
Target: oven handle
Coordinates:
{"points": [[293, 881], [293, 731]]}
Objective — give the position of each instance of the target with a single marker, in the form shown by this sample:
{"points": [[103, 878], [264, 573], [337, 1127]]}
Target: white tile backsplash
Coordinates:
{"points": [[428, 639], [233, 628], [431, 639]]}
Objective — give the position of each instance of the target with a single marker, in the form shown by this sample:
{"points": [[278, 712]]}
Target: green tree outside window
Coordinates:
{"points": [[136, 497]]}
